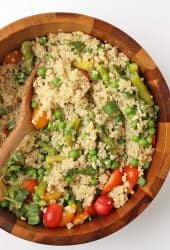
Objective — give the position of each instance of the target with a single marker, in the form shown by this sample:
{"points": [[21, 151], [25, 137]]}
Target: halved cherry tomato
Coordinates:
{"points": [[90, 210], [52, 216], [30, 185], [132, 176], [41, 121], [153, 140], [13, 57], [52, 196], [68, 215], [103, 205], [114, 181], [80, 218]]}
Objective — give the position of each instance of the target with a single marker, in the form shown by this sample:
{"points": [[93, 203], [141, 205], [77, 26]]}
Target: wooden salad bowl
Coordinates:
{"points": [[30, 27]]}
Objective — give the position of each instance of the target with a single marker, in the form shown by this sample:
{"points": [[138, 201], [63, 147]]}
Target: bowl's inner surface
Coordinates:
{"points": [[29, 28]]}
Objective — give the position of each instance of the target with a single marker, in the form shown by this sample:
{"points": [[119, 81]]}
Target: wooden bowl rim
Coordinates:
{"points": [[99, 227]]}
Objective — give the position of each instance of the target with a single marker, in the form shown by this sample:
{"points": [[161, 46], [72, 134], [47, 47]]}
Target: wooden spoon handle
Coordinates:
{"points": [[11, 143]]}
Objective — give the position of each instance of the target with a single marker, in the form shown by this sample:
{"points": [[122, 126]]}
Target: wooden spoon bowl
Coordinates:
{"points": [[28, 28]]}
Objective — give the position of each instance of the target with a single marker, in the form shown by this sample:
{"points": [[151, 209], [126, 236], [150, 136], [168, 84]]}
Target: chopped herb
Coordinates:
{"points": [[78, 46]]}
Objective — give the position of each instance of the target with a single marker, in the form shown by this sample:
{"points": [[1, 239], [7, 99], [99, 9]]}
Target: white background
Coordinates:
{"points": [[149, 23]]}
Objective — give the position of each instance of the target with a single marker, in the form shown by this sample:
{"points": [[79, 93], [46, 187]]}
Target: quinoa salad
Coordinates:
{"points": [[94, 130]]}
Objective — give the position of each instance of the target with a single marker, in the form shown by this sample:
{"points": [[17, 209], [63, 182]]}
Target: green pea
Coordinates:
{"points": [[146, 165], [56, 82], [152, 131], [34, 104], [135, 138], [32, 173], [110, 108], [58, 114], [41, 171], [141, 181], [4, 203], [133, 125], [115, 164], [151, 123], [93, 158], [94, 74], [94, 181], [107, 162], [74, 154], [42, 203], [143, 142], [42, 71], [130, 111], [62, 125], [134, 162], [35, 198], [92, 152], [149, 140], [42, 40], [115, 84], [69, 179]]}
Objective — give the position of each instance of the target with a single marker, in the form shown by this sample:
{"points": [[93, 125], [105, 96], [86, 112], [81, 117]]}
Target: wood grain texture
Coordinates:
{"points": [[31, 27]]}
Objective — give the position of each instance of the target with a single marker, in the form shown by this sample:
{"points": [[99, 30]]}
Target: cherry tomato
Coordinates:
{"points": [[30, 185], [114, 181], [52, 216], [132, 176], [103, 205], [153, 140], [41, 121], [90, 210], [13, 57]]}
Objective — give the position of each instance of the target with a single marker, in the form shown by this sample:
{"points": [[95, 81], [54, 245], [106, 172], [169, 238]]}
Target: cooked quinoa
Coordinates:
{"points": [[93, 119]]}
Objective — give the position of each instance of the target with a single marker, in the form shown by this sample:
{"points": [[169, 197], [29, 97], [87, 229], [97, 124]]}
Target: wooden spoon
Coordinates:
{"points": [[24, 123]]}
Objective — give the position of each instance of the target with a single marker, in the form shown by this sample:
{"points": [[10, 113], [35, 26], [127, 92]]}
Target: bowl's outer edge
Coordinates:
{"points": [[29, 27]]}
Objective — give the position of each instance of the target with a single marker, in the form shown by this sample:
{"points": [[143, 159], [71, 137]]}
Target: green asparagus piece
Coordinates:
{"points": [[54, 158], [136, 81], [41, 188], [104, 74]]}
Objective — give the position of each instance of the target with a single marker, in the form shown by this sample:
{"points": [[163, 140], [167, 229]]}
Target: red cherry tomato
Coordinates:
{"points": [[103, 205], [90, 210], [13, 57], [114, 181], [30, 185], [52, 216], [132, 176]]}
